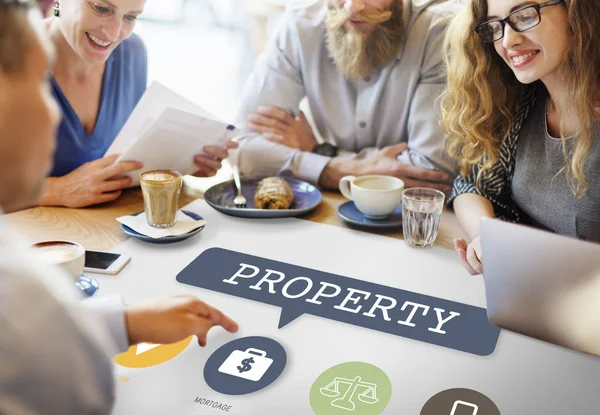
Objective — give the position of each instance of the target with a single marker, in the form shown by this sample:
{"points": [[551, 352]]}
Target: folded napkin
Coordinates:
{"points": [[183, 224]]}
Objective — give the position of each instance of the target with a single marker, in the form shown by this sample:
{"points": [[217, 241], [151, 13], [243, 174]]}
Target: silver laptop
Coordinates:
{"points": [[542, 285]]}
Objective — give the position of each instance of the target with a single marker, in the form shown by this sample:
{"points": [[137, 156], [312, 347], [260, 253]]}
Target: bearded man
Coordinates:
{"points": [[371, 72]]}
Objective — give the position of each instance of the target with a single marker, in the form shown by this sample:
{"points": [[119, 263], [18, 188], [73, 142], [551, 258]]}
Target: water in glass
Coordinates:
{"points": [[421, 213]]}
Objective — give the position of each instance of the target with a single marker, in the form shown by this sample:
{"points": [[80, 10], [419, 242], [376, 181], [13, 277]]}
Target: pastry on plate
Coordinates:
{"points": [[273, 193]]}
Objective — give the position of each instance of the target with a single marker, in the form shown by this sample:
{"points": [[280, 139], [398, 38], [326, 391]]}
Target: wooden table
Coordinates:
{"points": [[96, 227]]}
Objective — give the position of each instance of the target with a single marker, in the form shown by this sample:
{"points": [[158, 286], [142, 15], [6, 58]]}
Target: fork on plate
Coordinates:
{"points": [[240, 200]]}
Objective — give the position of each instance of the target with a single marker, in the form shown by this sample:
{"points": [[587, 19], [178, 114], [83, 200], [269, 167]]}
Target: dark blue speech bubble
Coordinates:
{"points": [[298, 290]]}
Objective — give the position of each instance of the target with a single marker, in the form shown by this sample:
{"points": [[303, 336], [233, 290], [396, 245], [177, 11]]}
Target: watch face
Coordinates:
{"points": [[326, 149]]}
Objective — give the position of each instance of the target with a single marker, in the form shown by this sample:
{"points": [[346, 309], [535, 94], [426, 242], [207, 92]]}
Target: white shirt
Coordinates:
{"points": [[398, 104], [55, 349]]}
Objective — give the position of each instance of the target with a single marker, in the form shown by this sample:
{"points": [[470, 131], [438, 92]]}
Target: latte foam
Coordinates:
{"points": [[159, 177], [58, 254]]}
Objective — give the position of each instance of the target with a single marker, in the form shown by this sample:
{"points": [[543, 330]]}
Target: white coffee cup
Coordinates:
{"points": [[67, 255], [375, 196]]}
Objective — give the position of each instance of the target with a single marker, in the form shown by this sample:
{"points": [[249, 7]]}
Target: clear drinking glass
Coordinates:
{"points": [[161, 190], [421, 212]]}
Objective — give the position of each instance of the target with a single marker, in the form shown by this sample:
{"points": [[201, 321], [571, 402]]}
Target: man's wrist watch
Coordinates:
{"points": [[326, 149]]}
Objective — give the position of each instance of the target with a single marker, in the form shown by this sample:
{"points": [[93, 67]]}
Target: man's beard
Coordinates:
{"points": [[358, 55]]}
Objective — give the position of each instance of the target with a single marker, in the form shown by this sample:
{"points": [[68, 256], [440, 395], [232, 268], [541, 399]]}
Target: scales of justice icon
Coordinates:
{"points": [[368, 392]]}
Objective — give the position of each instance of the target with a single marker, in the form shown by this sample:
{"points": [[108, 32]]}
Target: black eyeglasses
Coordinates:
{"points": [[520, 20]]}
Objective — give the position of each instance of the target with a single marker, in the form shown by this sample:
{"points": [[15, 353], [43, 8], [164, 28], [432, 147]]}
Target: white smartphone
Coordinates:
{"points": [[104, 262]]}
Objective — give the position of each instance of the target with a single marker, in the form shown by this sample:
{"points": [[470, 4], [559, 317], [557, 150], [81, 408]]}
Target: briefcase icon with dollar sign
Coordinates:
{"points": [[251, 364]]}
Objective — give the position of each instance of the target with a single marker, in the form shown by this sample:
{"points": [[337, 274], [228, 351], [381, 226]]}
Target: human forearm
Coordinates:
{"points": [[51, 193], [336, 169], [260, 157], [425, 135], [436, 160], [469, 209], [94, 182]]}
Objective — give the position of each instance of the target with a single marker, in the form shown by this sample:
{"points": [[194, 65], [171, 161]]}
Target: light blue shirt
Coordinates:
{"points": [[397, 104], [124, 83]]}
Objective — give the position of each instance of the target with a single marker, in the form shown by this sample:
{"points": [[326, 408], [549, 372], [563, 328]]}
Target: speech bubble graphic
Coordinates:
{"points": [[298, 290]]}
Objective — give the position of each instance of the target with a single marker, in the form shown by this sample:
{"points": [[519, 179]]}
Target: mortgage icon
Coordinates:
{"points": [[367, 392], [251, 364]]}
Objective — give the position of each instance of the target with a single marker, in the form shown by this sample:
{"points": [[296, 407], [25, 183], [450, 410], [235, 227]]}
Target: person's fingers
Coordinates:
{"points": [[427, 175], [120, 168], [202, 340], [460, 246], [395, 150], [460, 243], [232, 145], [261, 129], [474, 261], [197, 306], [301, 117], [478, 253], [115, 184], [276, 113], [201, 326], [275, 138], [220, 319], [186, 296], [256, 119], [204, 173], [105, 197], [213, 314], [443, 187], [218, 153], [205, 163], [106, 161], [462, 255]]}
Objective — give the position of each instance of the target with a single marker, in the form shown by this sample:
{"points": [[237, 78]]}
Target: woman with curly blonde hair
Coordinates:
{"points": [[522, 114]]}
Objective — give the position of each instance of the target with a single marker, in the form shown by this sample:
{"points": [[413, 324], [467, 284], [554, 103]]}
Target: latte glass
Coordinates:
{"points": [[161, 190]]}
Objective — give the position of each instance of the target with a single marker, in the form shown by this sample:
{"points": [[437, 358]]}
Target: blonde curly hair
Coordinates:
{"points": [[483, 94]]}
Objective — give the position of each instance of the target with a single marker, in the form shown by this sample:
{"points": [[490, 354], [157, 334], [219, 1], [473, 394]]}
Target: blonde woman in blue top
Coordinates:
{"points": [[99, 76]]}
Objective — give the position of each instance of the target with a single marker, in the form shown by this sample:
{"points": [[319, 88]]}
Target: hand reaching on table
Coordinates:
{"points": [[210, 162], [385, 162], [172, 319], [470, 255], [92, 183]]}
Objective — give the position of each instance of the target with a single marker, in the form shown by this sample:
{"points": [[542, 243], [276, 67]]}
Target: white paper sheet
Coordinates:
{"points": [[165, 131]]}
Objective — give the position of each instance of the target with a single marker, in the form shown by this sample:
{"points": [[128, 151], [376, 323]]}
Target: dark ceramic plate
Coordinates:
{"points": [[220, 197]]}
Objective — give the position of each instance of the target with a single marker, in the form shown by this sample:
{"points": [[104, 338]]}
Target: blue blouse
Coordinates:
{"points": [[124, 83]]}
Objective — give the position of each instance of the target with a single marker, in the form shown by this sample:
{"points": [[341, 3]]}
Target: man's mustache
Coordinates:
{"points": [[339, 17]]}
